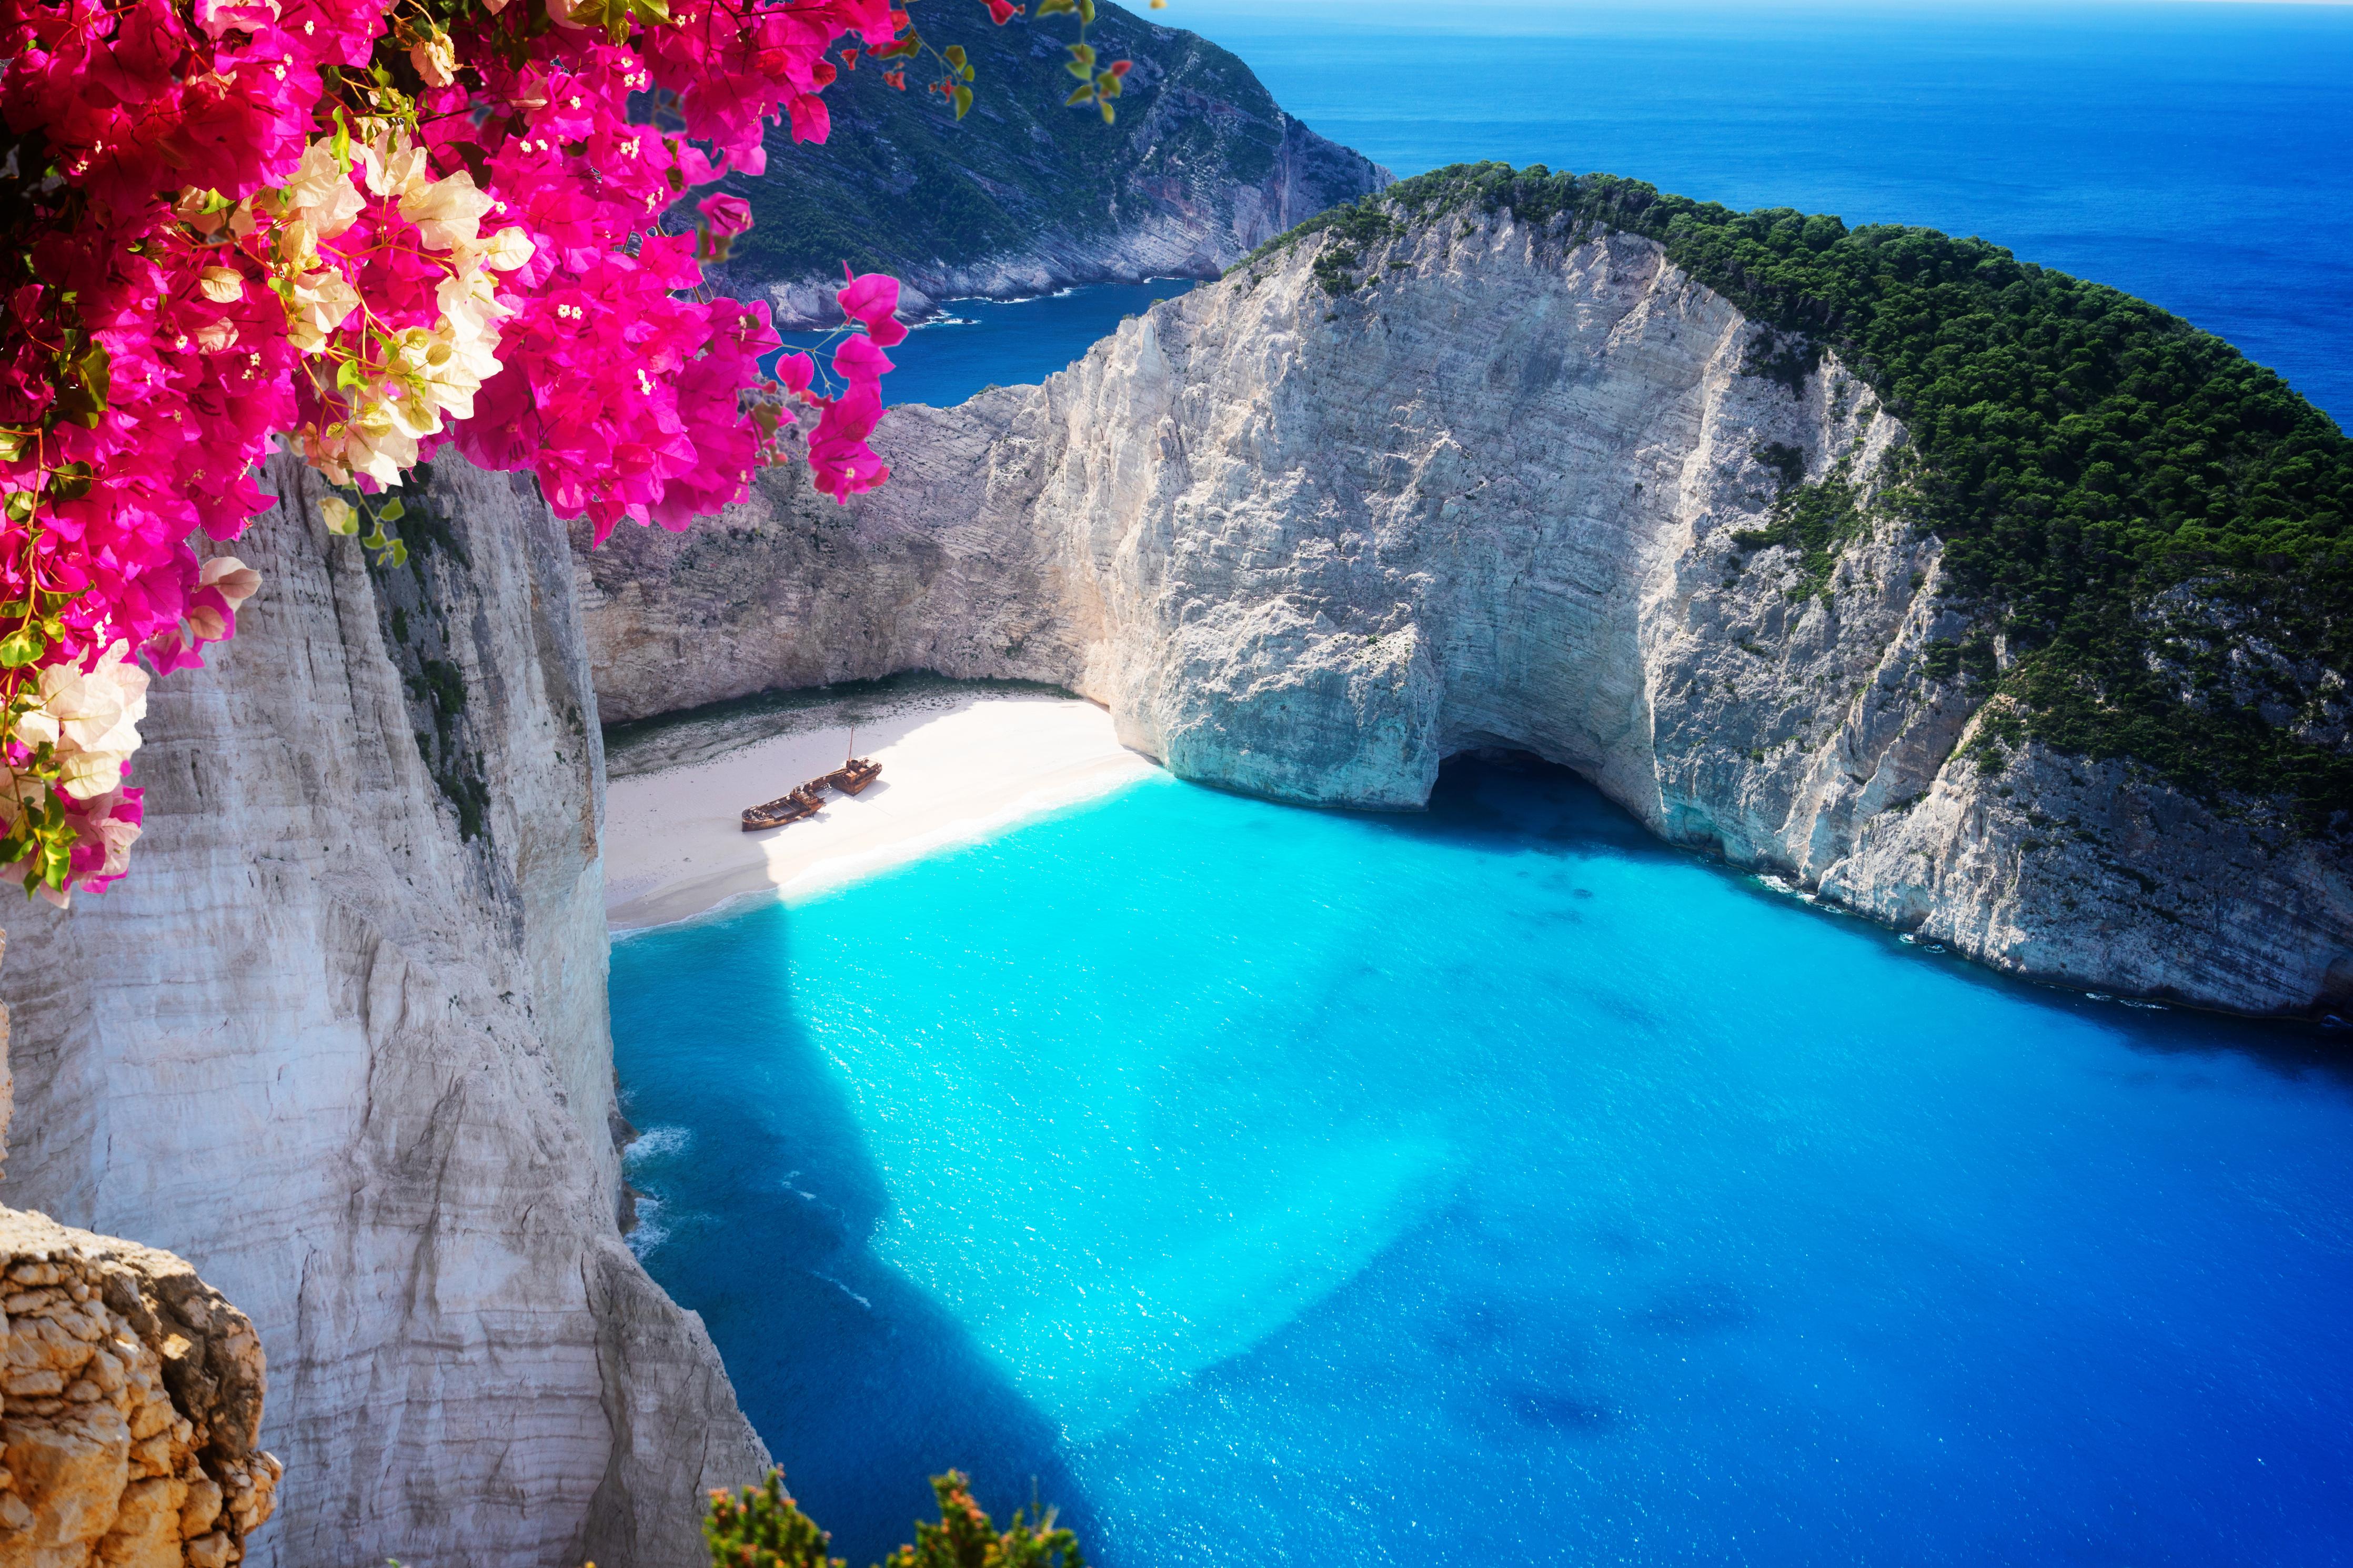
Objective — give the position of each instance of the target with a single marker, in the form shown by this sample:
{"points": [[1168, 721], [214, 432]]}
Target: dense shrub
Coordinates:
{"points": [[761, 1527]]}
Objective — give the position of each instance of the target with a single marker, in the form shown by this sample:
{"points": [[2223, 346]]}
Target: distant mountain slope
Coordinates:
{"points": [[1026, 195]]}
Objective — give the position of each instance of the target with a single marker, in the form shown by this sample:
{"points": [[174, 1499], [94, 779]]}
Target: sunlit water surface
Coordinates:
{"points": [[1489, 1187]]}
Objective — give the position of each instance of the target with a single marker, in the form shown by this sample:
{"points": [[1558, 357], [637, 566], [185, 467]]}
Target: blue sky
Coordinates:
{"points": [[1517, 15]]}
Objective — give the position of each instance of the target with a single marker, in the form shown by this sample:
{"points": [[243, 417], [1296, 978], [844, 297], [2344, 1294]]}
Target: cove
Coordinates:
{"points": [[975, 343], [1491, 1185]]}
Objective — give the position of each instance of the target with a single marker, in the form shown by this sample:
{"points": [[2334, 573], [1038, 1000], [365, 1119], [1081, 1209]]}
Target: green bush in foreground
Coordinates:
{"points": [[761, 1527]]}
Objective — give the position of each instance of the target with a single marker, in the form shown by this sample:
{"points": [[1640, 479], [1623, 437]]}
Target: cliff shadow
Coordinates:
{"points": [[758, 1199], [1504, 796]]}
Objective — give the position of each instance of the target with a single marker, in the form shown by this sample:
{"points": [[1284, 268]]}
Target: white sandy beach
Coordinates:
{"points": [[952, 771]]}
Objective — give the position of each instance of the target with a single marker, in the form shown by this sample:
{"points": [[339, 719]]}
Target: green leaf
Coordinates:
{"points": [[392, 510], [963, 102], [21, 647], [954, 55], [20, 505], [70, 482], [1084, 95]]}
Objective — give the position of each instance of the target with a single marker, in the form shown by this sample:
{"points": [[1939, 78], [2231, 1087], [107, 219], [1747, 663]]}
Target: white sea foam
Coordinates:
{"points": [[649, 1233], [656, 1143]]}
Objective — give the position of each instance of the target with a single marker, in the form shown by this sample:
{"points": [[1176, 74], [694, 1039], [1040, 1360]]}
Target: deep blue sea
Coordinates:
{"points": [[1488, 1187], [1495, 1187], [2198, 155], [974, 344]]}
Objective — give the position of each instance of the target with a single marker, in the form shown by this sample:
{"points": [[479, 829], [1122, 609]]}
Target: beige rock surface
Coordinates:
{"points": [[344, 1040], [1310, 546], [131, 1403]]}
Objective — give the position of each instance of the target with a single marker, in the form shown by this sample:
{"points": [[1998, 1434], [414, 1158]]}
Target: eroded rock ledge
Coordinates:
{"points": [[1493, 491], [133, 1407]]}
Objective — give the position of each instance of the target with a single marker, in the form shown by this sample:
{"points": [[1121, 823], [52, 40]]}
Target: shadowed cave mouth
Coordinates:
{"points": [[1497, 791]]}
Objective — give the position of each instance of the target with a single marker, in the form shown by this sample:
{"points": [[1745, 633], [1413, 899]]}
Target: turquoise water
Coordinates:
{"points": [[1492, 1187]]}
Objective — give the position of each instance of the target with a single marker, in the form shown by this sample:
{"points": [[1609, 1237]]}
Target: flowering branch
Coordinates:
{"points": [[368, 229]]}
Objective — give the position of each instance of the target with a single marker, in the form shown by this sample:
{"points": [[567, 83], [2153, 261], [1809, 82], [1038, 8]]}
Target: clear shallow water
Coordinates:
{"points": [[1004, 342], [1493, 1187], [2198, 155]]}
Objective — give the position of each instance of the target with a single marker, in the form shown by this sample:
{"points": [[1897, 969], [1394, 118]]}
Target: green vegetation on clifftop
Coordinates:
{"points": [[2151, 528]]}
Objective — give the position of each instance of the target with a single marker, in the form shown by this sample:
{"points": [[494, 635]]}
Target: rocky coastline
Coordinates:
{"points": [[1163, 231], [1307, 542], [1025, 196]]}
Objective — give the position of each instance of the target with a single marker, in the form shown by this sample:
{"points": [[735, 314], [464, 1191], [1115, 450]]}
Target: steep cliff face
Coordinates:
{"points": [[1026, 195], [1493, 485], [343, 1039]]}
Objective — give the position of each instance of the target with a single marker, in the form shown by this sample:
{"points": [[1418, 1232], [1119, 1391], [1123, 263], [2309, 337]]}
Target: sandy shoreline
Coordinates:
{"points": [[954, 769]]}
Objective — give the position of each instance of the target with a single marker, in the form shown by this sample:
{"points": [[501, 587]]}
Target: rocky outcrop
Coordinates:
{"points": [[1026, 195], [1308, 532], [343, 1038], [133, 1407]]}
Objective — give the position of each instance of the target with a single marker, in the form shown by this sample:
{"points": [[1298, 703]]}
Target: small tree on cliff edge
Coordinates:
{"points": [[761, 1527]]}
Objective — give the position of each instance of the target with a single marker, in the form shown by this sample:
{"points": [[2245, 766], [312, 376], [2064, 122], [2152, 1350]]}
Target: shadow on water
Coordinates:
{"points": [[761, 1198], [1498, 797]]}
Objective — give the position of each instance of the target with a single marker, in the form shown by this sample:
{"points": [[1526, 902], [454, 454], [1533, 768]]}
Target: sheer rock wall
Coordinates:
{"points": [[1309, 544], [343, 1039]]}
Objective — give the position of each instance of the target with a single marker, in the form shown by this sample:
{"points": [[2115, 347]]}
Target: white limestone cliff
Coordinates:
{"points": [[342, 1040], [1310, 545]]}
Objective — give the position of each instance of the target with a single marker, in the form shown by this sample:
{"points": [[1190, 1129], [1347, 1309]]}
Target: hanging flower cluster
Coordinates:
{"points": [[367, 228]]}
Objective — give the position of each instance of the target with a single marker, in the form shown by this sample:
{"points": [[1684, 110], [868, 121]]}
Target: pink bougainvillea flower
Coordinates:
{"points": [[872, 298], [859, 360], [795, 372], [489, 268], [728, 216]]}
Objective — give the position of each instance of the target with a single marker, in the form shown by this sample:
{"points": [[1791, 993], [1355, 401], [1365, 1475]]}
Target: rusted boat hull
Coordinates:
{"points": [[797, 806], [851, 777]]}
